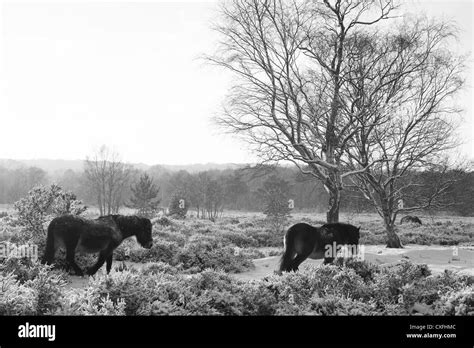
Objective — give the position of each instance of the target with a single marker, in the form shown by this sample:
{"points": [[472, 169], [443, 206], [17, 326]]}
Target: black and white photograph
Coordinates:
{"points": [[217, 165]]}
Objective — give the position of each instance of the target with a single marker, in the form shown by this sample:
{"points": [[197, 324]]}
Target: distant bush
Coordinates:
{"points": [[266, 237], [441, 233], [275, 194], [179, 205]]}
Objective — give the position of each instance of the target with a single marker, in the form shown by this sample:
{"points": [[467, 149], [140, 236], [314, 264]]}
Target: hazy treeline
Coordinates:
{"points": [[230, 189]]}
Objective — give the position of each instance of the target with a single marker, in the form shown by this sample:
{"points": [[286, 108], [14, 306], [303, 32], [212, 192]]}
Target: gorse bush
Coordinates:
{"points": [[47, 287], [29, 288], [15, 298], [41, 205]]}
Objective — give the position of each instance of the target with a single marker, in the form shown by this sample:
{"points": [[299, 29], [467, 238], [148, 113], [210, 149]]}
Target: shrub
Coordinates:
{"points": [[24, 269], [163, 251], [250, 253], [238, 239], [266, 237], [201, 254], [175, 237], [89, 302], [163, 221], [41, 205], [47, 286], [160, 267], [34, 288], [457, 302], [15, 298], [362, 268], [335, 305]]}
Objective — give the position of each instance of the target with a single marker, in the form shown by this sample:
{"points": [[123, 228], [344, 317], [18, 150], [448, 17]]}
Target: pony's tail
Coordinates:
{"points": [[287, 257], [49, 250]]}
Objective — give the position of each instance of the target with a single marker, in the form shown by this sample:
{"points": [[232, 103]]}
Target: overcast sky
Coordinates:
{"points": [[78, 74]]}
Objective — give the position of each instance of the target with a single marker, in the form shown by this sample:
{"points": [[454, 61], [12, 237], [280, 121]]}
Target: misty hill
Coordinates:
{"points": [[55, 166]]}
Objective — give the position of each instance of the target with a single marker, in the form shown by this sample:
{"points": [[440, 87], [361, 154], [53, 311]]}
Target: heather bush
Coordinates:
{"points": [[457, 302], [239, 239], [202, 254], [266, 237], [249, 253], [24, 268], [335, 305], [47, 287], [161, 251], [15, 297], [88, 301], [162, 221], [29, 288], [175, 237]]}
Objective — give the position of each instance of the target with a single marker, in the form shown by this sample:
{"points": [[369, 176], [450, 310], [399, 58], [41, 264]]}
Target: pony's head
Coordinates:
{"points": [[143, 232]]}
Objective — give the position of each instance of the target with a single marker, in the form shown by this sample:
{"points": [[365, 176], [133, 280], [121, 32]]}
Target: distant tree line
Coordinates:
{"points": [[207, 194]]}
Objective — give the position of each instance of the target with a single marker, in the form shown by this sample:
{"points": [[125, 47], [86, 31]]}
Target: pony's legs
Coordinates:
{"points": [[286, 261], [328, 260], [298, 260], [70, 253], [109, 263], [103, 256], [100, 261]]}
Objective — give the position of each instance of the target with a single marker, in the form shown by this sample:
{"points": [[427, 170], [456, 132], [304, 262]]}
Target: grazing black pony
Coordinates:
{"points": [[302, 241], [410, 219], [101, 235]]}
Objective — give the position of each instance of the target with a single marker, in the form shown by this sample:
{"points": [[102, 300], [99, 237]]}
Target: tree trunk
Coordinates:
{"points": [[393, 241], [332, 214]]}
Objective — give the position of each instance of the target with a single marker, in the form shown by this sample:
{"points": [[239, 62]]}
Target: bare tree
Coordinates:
{"points": [[290, 60], [400, 95], [109, 177], [207, 195]]}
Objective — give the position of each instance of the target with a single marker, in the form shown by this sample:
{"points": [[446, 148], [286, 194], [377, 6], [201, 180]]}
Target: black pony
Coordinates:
{"points": [[302, 241], [101, 235]]}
